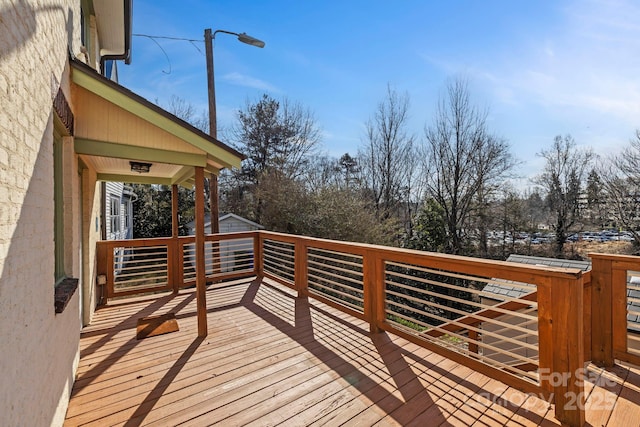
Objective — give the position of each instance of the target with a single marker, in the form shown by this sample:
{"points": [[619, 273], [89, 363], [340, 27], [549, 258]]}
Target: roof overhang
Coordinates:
{"points": [[113, 21], [114, 126]]}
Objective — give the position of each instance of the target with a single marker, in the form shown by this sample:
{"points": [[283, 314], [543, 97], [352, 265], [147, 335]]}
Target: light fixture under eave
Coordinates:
{"points": [[140, 167]]}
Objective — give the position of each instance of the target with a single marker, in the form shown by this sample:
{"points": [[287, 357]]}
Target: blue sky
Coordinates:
{"points": [[542, 68]]}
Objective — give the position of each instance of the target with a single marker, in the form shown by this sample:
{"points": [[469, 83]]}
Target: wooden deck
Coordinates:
{"points": [[271, 358]]}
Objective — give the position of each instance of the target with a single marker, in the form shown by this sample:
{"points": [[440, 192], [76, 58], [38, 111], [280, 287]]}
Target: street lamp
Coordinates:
{"points": [[209, 37]]}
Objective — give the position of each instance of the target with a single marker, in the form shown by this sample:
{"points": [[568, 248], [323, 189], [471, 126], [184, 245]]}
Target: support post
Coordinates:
{"points": [[213, 204], [601, 311], [174, 265], [201, 290]]}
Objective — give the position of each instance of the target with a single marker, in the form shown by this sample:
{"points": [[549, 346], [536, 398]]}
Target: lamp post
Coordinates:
{"points": [[209, 37]]}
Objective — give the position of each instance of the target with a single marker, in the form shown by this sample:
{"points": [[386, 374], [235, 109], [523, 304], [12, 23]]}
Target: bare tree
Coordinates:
{"points": [[595, 200], [387, 152], [184, 110], [323, 171], [564, 171], [620, 177], [464, 163]]}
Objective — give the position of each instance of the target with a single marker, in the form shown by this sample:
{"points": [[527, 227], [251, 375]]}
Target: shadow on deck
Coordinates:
{"points": [[271, 358]]}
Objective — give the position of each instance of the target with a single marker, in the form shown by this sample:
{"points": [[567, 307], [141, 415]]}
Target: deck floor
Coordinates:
{"points": [[271, 359]]}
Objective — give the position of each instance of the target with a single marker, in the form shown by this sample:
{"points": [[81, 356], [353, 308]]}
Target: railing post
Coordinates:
{"points": [[180, 262], [173, 248], [301, 268], [110, 271], [103, 264], [373, 282], [257, 255], [588, 302], [601, 311], [561, 346], [473, 340], [171, 265], [619, 310], [216, 257]]}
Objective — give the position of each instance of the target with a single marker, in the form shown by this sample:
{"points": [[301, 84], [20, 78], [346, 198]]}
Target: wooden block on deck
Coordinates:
{"points": [[156, 325]]}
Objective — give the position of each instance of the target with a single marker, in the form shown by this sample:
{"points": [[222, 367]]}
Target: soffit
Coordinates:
{"points": [[113, 126], [110, 20]]}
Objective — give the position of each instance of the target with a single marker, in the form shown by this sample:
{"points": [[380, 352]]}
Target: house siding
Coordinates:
{"points": [[39, 350], [116, 190], [232, 225]]}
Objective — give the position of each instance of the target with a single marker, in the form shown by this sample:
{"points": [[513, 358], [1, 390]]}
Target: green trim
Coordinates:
{"points": [[137, 108], [212, 170], [123, 151], [58, 206], [135, 179], [184, 174]]}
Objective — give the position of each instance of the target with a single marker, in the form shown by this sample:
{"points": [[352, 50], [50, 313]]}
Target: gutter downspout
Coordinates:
{"points": [[126, 55]]}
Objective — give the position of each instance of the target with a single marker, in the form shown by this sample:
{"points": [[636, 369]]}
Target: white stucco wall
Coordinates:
{"points": [[39, 349]]}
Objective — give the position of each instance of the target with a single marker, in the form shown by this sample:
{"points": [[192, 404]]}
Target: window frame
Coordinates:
{"points": [[115, 217], [58, 208]]}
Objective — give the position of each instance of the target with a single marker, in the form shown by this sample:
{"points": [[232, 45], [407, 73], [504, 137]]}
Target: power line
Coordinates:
{"points": [[168, 38], [154, 39]]}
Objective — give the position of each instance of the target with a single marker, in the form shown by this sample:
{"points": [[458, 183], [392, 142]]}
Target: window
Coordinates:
{"points": [[127, 214], [58, 205], [114, 214]]}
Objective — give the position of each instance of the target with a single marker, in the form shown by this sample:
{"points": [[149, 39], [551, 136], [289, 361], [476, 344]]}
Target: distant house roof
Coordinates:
{"points": [[239, 218], [511, 289], [516, 289], [226, 217]]}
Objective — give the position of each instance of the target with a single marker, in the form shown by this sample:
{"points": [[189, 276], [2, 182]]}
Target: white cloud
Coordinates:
{"points": [[589, 62], [246, 81]]}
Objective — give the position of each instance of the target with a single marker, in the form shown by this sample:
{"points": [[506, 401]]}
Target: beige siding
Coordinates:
{"points": [[115, 190], [39, 349], [98, 119]]}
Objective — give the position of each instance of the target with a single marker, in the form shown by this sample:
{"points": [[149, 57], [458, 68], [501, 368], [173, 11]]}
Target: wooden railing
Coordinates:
{"points": [[521, 324], [528, 332], [615, 309], [139, 266]]}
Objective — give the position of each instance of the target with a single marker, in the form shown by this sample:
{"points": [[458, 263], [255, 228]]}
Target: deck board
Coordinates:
{"points": [[273, 359]]}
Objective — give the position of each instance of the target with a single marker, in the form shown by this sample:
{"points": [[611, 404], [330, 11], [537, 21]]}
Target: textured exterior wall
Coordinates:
{"points": [[39, 349], [91, 197]]}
